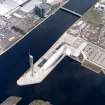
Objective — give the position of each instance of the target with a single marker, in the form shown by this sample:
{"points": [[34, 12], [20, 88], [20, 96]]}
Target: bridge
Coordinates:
{"points": [[71, 11]]}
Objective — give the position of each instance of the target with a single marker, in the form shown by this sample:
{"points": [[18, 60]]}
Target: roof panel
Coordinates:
{"points": [[20, 1], [4, 9], [29, 6]]}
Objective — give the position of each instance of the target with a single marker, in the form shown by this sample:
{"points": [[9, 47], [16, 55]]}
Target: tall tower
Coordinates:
{"points": [[31, 63], [44, 1], [42, 9]]}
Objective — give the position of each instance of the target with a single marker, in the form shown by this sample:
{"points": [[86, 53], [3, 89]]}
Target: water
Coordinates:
{"points": [[68, 84], [79, 6]]}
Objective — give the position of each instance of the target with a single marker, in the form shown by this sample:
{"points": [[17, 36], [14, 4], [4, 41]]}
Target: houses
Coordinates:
{"points": [[100, 6]]}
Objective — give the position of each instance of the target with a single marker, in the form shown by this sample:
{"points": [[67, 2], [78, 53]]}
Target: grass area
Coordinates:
{"points": [[92, 16]]}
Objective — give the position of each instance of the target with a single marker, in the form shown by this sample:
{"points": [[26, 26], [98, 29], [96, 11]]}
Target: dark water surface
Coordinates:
{"points": [[68, 84]]}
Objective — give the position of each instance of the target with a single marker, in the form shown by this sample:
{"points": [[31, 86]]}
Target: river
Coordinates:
{"points": [[68, 84]]}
